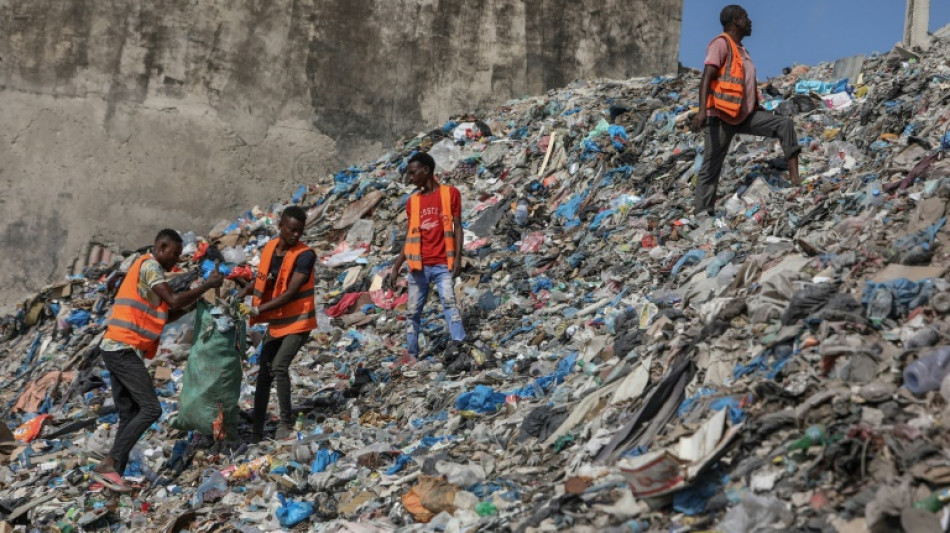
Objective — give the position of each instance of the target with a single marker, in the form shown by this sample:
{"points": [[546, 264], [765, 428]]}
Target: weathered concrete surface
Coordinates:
{"points": [[122, 117]]}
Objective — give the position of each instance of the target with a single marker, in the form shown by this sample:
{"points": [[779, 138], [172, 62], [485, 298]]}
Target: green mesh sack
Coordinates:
{"points": [[213, 375]]}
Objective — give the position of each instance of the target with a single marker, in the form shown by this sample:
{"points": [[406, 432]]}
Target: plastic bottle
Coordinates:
{"points": [[214, 486], [301, 421], [876, 198], [521, 213], [880, 307], [269, 491], [590, 369], [138, 522], [813, 435], [935, 502], [926, 373]]}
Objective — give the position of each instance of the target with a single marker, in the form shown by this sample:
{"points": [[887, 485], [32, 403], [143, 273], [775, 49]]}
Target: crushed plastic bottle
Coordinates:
{"points": [[926, 374], [935, 502], [213, 487], [813, 435], [521, 213], [881, 306]]}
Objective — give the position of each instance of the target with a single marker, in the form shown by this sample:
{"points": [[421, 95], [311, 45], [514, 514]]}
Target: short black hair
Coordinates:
{"points": [[729, 14], [423, 159], [295, 212], [170, 235]]}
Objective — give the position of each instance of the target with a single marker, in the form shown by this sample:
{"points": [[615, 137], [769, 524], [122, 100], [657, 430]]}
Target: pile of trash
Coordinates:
{"points": [[629, 367]]}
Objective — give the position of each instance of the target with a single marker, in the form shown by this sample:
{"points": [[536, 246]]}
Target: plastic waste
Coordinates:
{"points": [[881, 307], [814, 435], [754, 511], [291, 513], [213, 487], [935, 502], [234, 255], [486, 509], [927, 373], [446, 154], [521, 213]]}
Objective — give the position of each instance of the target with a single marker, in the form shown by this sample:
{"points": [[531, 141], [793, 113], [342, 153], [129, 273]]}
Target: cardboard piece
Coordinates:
{"points": [[663, 471], [163, 373], [913, 273]]}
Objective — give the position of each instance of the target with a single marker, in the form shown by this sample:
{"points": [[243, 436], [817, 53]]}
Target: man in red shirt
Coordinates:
{"points": [[729, 104], [433, 249]]}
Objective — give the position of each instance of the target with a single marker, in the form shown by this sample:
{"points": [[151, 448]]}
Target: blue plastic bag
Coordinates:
{"points": [[291, 513], [324, 458], [483, 400]]}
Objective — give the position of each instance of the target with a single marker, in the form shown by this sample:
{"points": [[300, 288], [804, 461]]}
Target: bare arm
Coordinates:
{"points": [[181, 300], [459, 237], [397, 266], [709, 74], [296, 281]]}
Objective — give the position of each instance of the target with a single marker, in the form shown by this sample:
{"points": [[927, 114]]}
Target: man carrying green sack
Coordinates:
{"points": [[282, 297], [143, 305]]}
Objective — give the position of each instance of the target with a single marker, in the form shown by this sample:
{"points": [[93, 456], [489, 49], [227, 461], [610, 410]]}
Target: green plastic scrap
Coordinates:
{"points": [[563, 442], [486, 509]]}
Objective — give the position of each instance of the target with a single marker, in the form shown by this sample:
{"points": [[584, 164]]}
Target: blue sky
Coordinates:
{"points": [[806, 32]]}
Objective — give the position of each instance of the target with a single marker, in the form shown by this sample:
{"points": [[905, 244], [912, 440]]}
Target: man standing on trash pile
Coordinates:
{"points": [[729, 104], [282, 297], [433, 250], [142, 307]]}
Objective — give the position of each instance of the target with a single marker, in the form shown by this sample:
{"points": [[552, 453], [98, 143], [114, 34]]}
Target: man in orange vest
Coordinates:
{"points": [[283, 298], [728, 104], [143, 305], [433, 249]]}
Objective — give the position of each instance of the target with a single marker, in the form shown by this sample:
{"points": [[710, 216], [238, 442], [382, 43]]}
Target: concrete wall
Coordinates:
{"points": [[121, 117]]}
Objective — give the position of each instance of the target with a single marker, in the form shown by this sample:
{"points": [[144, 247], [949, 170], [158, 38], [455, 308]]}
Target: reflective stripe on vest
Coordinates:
{"points": [[725, 92], [133, 320], [299, 315], [413, 248]]}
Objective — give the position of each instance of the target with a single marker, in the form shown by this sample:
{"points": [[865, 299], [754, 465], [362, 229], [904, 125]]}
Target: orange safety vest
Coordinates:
{"points": [[413, 248], [299, 315], [725, 92], [134, 321]]}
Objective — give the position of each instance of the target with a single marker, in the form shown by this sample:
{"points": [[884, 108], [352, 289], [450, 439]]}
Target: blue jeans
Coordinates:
{"points": [[419, 281]]}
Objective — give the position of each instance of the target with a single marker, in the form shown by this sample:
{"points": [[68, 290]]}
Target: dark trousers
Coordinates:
{"points": [[718, 136], [275, 359], [135, 401]]}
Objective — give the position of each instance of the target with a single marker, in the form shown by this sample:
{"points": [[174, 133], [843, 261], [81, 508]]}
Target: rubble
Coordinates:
{"points": [[629, 367]]}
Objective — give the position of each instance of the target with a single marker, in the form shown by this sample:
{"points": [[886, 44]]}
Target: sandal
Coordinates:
{"points": [[110, 480]]}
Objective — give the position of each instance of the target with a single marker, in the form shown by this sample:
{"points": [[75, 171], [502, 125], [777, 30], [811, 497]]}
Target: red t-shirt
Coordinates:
{"points": [[430, 222]]}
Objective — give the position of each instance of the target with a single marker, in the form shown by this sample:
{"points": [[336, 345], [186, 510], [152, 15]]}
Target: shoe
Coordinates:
{"points": [[284, 432]]}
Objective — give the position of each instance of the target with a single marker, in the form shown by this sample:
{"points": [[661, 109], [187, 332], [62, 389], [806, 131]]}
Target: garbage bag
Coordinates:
{"points": [[212, 376]]}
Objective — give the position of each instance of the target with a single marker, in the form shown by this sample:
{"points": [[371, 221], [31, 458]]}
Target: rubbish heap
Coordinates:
{"points": [[629, 367]]}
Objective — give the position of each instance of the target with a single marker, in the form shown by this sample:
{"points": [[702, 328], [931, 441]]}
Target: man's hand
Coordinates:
{"points": [[457, 269], [248, 310], [699, 121], [392, 279], [215, 279]]}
